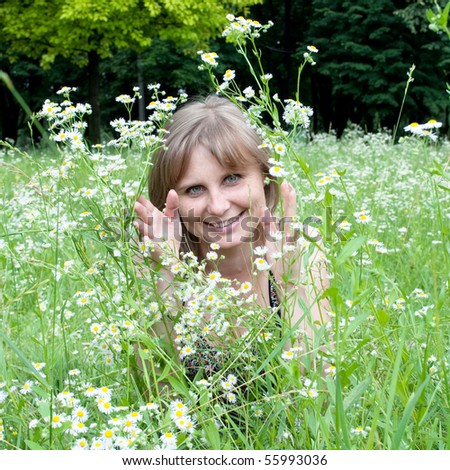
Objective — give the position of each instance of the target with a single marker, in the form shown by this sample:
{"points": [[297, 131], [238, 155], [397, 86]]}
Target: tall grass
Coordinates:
{"points": [[81, 368]]}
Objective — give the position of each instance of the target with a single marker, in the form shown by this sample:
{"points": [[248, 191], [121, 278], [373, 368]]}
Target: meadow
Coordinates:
{"points": [[79, 366]]}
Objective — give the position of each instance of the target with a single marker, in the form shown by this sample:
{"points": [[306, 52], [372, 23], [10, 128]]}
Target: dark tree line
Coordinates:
{"points": [[366, 48]]}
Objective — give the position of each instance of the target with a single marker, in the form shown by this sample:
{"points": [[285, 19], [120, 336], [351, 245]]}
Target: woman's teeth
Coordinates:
{"points": [[224, 224]]}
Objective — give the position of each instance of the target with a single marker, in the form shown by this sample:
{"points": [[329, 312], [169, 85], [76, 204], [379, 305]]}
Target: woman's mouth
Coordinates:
{"points": [[224, 225]]}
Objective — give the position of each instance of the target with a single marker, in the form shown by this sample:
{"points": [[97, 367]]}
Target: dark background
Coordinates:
{"points": [[365, 51]]}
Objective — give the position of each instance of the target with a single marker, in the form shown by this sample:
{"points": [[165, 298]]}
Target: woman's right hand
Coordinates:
{"points": [[159, 227]]}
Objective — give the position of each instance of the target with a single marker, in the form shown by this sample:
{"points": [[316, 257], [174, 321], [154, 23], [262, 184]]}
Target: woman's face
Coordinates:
{"points": [[220, 205]]}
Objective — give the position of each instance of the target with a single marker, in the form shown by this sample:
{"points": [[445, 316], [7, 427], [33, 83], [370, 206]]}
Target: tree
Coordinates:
{"points": [[86, 31], [366, 49]]}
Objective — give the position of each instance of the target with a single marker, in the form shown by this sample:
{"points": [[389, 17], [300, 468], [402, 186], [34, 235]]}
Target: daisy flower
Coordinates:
{"points": [[27, 387], [210, 58], [261, 264], [169, 440], [105, 406], [277, 171], [229, 75]]}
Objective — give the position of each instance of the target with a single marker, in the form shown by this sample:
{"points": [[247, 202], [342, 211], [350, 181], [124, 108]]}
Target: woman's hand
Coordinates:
{"points": [[161, 228], [286, 256], [281, 236]]}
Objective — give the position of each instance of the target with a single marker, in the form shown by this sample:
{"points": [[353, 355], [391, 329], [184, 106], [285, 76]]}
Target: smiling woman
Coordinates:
{"points": [[210, 185]]}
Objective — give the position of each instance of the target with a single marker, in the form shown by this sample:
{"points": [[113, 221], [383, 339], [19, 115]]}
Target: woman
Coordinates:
{"points": [[210, 186]]}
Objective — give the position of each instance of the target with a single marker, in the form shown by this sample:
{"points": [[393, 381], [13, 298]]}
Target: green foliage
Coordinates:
{"points": [[439, 19], [72, 29], [366, 49]]}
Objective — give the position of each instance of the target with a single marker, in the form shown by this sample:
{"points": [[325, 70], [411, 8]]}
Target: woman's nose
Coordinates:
{"points": [[218, 203]]}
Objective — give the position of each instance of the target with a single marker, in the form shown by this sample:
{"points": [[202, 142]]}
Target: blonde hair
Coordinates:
{"points": [[218, 125]]}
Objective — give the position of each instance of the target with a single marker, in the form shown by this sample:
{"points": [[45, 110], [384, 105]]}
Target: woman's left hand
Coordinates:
{"points": [[281, 237]]}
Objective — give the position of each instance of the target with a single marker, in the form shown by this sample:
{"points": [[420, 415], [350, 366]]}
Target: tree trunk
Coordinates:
{"points": [[94, 120], [288, 46], [141, 85]]}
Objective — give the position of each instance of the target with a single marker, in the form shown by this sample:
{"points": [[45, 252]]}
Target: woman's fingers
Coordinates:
{"points": [[171, 204], [149, 222], [289, 198], [158, 226]]}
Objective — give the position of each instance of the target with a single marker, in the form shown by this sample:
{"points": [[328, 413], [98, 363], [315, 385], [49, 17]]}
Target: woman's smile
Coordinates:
{"points": [[218, 204], [224, 226]]}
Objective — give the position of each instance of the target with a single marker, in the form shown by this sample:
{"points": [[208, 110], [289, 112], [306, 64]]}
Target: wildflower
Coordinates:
{"points": [[330, 370], [249, 92], [399, 304], [345, 225], [214, 276], [178, 405], [214, 246], [65, 90], [279, 148], [414, 128], [226, 385], [177, 268], [27, 387], [296, 113], [38, 365], [82, 301], [169, 440], [81, 444], [134, 416], [260, 250], [362, 217], [231, 397], [229, 75], [61, 136], [210, 58], [125, 99], [245, 287], [80, 413], [261, 264], [150, 406], [90, 392], [309, 393], [103, 392], [359, 431], [312, 49], [76, 139], [419, 294], [98, 444], [212, 256], [186, 351], [324, 181], [57, 420], [288, 355], [432, 124], [265, 336], [105, 407], [423, 130], [77, 427], [258, 413], [96, 328]]}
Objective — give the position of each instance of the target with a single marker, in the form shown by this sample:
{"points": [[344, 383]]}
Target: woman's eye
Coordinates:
{"points": [[194, 190], [232, 178]]}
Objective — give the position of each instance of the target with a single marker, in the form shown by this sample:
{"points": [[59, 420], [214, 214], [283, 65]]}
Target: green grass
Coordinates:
{"points": [[389, 388], [81, 367]]}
